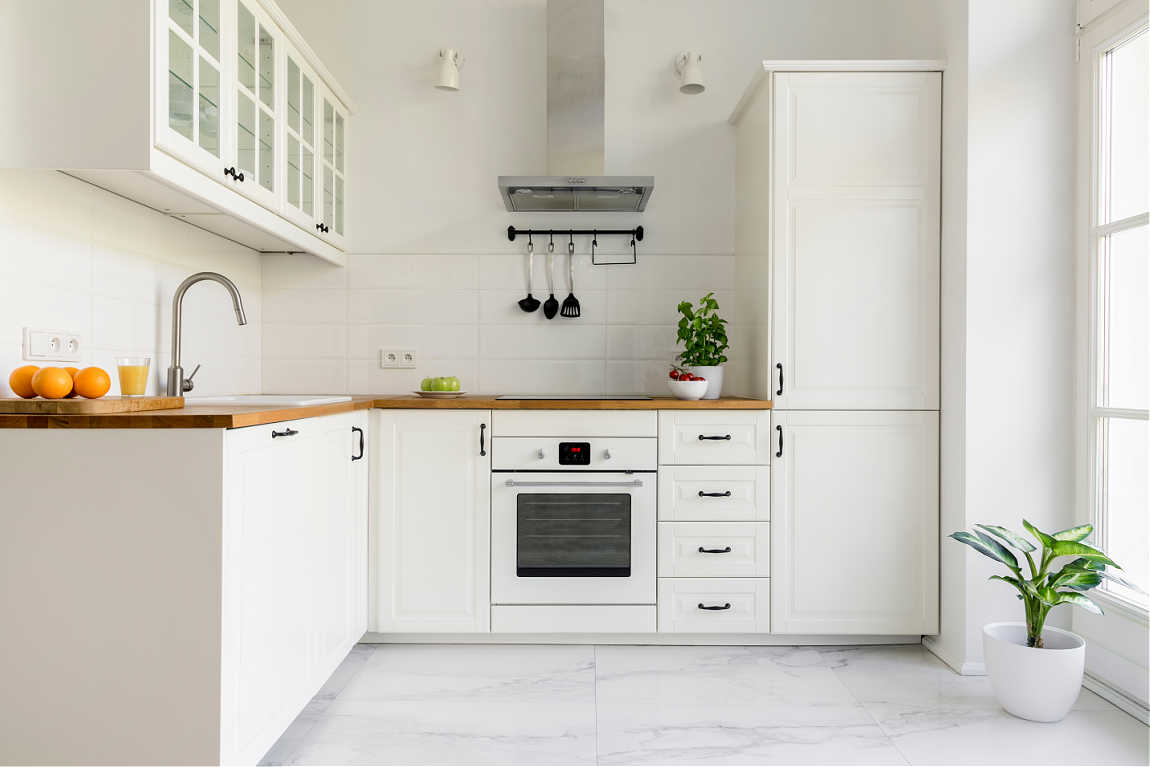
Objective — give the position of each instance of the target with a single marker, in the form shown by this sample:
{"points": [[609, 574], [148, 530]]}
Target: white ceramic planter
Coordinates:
{"points": [[714, 376], [1032, 683]]}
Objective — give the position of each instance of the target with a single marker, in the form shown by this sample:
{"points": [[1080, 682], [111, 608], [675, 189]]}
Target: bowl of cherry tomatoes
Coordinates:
{"points": [[685, 385]]}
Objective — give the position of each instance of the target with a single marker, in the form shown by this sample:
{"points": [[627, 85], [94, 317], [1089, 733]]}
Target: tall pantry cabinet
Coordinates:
{"points": [[837, 252]]}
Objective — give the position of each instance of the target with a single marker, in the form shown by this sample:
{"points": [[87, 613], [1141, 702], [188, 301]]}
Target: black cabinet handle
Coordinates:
{"points": [[724, 494], [322, 227], [482, 435], [705, 436], [779, 365], [238, 176], [230, 172], [288, 432], [724, 606], [724, 550], [359, 431], [780, 431]]}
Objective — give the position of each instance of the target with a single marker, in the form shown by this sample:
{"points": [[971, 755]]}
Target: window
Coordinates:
{"points": [[1117, 382]]}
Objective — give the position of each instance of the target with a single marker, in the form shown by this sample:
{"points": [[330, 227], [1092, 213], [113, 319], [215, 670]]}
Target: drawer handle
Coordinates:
{"points": [[705, 436], [358, 431], [724, 494], [288, 432], [724, 550], [780, 431], [724, 606]]}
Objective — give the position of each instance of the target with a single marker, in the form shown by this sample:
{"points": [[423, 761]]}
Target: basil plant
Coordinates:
{"points": [[1045, 588], [702, 332]]}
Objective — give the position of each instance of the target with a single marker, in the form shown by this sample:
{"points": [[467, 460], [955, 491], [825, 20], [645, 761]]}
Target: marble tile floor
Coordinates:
{"points": [[625, 704]]}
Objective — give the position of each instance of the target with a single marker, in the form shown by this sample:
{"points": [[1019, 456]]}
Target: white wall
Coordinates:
{"points": [[436, 271], [74, 257], [1008, 297]]}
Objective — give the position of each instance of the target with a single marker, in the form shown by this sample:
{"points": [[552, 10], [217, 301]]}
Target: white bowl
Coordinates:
{"points": [[687, 389]]}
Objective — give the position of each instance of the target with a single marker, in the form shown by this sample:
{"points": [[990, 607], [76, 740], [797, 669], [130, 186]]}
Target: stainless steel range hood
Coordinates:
{"points": [[575, 125]]}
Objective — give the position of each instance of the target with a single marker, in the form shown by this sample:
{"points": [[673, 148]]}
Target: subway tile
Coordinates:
{"points": [[428, 341], [304, 376], [507, 271], [296, 341], [404, 307], [299, 271], [309, 306], [123, 275], [366, 377], [641, 342], [502, 308], [432, 272], [541, 376], [113, 324], [560, 340]]}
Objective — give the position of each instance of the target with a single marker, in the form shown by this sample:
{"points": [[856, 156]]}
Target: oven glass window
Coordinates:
{"points": [[573, 535]]}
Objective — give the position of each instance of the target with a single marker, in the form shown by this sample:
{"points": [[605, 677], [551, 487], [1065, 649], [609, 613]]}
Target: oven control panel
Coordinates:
{"points": [[574, 453]]}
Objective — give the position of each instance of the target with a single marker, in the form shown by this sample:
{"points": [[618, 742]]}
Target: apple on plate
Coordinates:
{"points": [[426, 384], [453, 384]]}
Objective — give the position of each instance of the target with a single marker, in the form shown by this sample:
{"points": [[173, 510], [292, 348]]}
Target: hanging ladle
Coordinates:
{"points": [[551, 305], [531, 303]]}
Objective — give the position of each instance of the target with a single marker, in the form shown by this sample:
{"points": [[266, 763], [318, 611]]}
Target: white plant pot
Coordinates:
{"points": [[1040, 684], [714, 376]]}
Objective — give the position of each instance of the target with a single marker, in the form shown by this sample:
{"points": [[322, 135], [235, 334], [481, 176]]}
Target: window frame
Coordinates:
{"points": [[1110, 29]]}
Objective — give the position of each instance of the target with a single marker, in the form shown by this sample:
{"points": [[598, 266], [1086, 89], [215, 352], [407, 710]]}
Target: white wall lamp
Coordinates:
{"points": [[689, 67], [450, 62]]}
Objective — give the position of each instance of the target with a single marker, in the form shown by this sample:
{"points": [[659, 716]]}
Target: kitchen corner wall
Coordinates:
{"points": [[77, 258], [434, 271]]}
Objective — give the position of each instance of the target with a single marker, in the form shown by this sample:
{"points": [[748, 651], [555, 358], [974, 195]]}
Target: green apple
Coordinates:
{"points": [[439, 384], [453, 383], [426, 384]]}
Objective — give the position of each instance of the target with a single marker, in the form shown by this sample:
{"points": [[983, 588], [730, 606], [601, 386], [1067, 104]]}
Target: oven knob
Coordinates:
{"points": [[542, 455], [606, 455]]}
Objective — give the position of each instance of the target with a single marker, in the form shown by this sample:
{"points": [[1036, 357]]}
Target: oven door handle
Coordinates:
{"points": [[629, 483]]}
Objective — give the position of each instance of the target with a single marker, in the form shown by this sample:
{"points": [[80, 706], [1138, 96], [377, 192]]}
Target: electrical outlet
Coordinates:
{"points": [[388, 358], [55, 345], [407, 358]]}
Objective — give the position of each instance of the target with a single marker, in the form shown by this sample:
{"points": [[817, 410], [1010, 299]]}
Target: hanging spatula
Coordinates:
{"points": [[571, 303]]}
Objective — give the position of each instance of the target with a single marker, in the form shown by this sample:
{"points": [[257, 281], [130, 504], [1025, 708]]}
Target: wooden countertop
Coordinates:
{"points": [[236, 416]]}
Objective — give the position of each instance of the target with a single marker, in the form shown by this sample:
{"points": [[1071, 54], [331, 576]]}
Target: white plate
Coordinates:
{"points": [[440, 394]]}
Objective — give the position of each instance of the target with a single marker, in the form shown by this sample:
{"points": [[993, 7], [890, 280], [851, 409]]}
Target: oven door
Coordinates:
{"points": [[580, 538]]}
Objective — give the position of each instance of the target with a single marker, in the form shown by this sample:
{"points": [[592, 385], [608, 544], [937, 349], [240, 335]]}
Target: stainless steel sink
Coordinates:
{"points": [[261, 400]]}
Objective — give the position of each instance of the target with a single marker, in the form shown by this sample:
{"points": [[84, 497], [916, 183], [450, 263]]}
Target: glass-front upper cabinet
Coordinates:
{"points": [[301, 134], [257, 104], [190, 104], [333, 156]]}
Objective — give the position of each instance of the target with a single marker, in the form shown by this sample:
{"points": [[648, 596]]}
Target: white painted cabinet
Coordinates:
{"points": [[295, 536], [209, 111], [431, 520], [854, 523]]}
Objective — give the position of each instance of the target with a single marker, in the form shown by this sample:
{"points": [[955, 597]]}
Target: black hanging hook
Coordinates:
{"points": [[594, 243]]}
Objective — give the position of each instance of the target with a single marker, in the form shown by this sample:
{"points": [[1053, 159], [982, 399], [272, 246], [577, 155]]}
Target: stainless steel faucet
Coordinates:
{"points": [[177, 384]]}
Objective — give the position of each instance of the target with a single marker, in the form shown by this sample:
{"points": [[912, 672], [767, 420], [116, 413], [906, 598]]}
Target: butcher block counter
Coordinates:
{"points": [[237, 416]]}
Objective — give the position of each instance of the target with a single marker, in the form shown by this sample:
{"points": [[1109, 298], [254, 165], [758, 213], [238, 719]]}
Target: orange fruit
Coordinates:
{"points": [[52, 383], [20, 382], [72, 372], [93, 383]]}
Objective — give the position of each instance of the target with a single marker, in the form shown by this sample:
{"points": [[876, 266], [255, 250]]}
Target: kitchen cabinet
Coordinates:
{"points": [[222, 572], [211, 113], [854, 523], [431, 520], [714, 437]]}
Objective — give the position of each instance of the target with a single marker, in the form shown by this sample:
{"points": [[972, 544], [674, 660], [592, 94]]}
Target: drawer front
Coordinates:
{"points": [[564, 423], [714, 549], [713, 493], [693, 438], [739, 605]]}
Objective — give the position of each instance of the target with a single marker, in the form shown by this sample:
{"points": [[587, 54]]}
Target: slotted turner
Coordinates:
{"points": [[571, 303]]}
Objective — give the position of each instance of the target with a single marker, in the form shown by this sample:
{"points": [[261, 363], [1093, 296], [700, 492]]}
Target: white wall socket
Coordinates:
{"points": [[55, 345], [397, 358]]}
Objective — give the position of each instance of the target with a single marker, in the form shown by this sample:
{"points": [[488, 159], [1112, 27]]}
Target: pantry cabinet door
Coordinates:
{"points": [[855, 243], [854, 523], [192, 72], [431, 521]]}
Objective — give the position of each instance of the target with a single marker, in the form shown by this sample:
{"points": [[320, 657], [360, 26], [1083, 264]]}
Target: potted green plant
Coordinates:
{"points": [[1036, 670], [703, 334]]}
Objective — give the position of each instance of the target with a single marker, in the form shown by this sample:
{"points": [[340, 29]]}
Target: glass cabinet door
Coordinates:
{"points": [[257, 41], [333, 155], [191, 104], [301, 136]]}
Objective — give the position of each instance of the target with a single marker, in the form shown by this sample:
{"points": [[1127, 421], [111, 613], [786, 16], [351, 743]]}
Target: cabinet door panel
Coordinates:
{"points": [[855, 299], [854, 510], [432, 514], [332, 156], [258, 99]]}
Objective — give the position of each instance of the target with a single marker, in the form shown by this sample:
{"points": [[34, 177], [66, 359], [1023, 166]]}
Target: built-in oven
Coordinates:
{"points": [[573, 521]]}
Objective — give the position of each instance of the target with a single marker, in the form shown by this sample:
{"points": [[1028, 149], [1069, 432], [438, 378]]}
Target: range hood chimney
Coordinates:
{"points": [[575, 124]]}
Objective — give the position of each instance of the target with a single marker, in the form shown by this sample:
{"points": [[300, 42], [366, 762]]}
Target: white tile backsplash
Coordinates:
{"points": [[75, 257], [460, 315]]}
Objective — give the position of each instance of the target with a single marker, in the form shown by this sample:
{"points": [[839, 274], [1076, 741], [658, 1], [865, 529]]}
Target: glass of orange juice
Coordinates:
{"points": [[133, 375]]}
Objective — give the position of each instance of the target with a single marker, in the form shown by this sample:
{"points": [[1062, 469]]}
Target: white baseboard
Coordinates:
{"points": [[960, 665], [636, 639], [1113, 695]]}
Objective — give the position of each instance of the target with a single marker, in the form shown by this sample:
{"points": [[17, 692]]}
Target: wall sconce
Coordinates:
{"points": [[689, 67], [450, 62]]}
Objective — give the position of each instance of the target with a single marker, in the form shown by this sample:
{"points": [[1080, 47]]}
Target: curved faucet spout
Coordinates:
{"points": [[177, 384]]}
